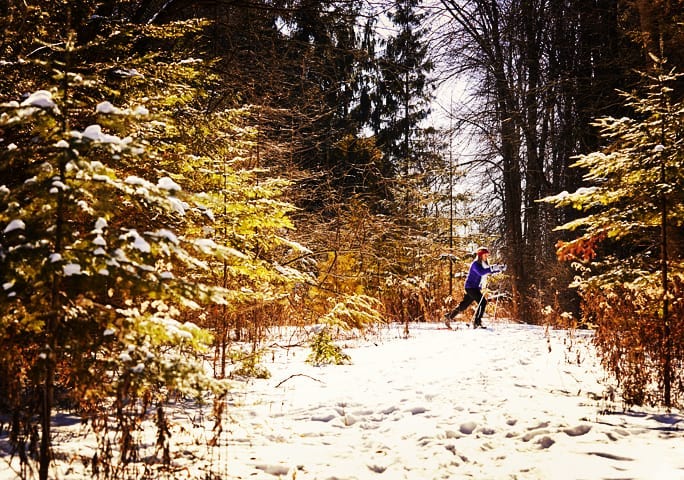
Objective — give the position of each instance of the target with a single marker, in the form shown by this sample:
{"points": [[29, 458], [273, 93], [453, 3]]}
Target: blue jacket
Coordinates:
{"points": [[476, 274]]}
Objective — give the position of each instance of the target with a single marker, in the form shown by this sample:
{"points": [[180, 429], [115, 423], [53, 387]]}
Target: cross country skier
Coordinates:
{"points": [[473, 287]]}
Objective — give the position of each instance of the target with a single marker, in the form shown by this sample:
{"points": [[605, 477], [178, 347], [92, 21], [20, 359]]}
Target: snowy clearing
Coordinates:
{"points": [[508, 402]]}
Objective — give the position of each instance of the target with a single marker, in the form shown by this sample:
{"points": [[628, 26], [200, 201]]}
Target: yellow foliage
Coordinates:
{"points": [[354, 312]]}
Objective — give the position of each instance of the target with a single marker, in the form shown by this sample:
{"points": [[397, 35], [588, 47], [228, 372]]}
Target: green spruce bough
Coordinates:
{"points": [[90, 305]]}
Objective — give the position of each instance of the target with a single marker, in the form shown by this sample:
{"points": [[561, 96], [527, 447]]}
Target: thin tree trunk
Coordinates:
{"points": [[46, 415], [667, 336], [667, 377]]}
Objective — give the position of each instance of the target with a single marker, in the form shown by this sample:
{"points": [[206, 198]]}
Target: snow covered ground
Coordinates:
{"points": [[509, 402]]}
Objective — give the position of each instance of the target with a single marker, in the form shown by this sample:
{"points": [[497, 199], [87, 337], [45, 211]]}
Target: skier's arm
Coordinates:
{"points": [[480, 270]]}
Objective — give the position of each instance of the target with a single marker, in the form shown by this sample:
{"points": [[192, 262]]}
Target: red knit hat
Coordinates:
{"points": [[482, 250]]}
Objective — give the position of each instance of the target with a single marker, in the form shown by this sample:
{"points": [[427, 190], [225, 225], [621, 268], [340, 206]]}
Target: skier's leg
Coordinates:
{"points": [[467, 300]]}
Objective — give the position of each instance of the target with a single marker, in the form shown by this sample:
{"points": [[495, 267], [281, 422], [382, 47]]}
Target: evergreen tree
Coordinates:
{"points": [[630, 249], [102, 269], [404, 88], [90, 299]]}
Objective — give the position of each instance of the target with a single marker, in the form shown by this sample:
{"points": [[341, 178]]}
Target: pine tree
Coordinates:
{"points": [[630, 248], [102, 265], [251, 220], [90, 299], [404, 87]]}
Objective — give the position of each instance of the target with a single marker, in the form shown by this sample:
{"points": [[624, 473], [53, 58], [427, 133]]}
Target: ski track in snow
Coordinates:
{"points": [[508, 402]]}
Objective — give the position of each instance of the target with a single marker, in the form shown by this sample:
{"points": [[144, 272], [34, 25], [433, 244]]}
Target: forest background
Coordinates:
{"points": [[233, 166]]}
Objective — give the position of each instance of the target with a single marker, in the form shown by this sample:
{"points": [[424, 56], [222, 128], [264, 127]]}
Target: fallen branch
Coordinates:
{"points": [[298, 375]]}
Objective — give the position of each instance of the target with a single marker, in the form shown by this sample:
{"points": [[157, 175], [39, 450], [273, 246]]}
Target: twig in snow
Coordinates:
{"points": [[298, 375]]}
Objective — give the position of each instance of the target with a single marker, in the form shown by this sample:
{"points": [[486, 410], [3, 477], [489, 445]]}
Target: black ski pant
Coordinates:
{"points": [[471, 295]]}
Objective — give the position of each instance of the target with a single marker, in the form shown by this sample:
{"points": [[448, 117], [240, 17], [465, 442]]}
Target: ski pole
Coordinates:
{"points": [[478, 307], [496, 304]]}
